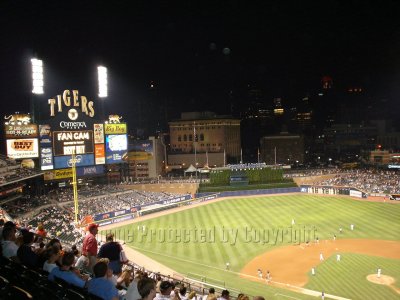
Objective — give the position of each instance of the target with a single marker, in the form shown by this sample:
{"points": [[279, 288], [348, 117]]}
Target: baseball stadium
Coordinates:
{"points": [[248, 229], [310, 244]]}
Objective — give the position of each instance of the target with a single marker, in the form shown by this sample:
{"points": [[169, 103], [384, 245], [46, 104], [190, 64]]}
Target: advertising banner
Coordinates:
{"points": [[67, 173], [45, 135], [115, 128], [113, 214], [46, 158], [81, 160], [89, 171], [98, 130], [58, 174], [116, 148], [99, 154], [22, 148], [141, 150], [69, 142], [354, 193], [21, 131]]}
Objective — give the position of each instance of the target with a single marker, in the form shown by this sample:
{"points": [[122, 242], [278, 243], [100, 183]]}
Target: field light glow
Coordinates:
{"points": [[102, 77], [37, 76]]}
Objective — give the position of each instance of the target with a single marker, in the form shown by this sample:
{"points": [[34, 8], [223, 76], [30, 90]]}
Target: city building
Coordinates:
{"points": [[198, 136], [146, 158], [284, 148]]}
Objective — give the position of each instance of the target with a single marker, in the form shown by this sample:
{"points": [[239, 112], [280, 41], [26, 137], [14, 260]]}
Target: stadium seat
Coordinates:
{"points": [[73, 295], [43, 272], [4, 285], [54, 287], [17, 266], [93, 297], [10, 274], [15, 292]]}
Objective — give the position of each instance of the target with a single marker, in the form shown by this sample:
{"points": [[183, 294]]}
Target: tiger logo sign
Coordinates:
{"points": [[114, 119]]}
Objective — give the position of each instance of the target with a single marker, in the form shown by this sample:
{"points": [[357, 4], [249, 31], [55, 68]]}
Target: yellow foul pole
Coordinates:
{"points": [[75, 187]]}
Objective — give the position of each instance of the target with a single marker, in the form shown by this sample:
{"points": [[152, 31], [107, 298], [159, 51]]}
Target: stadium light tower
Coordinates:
{"points": [[103, 86], [37, 86], [103, 82], [37, 76]]}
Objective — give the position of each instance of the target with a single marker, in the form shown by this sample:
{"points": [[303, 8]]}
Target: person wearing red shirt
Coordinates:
{"points": [[89, 247], [41, 231]]}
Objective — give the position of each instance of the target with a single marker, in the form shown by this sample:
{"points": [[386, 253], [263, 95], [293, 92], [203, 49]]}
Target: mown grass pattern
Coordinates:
{"points": [[327, 214]]}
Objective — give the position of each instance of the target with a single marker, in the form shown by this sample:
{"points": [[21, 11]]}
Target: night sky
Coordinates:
{"points": [[200, 55]]}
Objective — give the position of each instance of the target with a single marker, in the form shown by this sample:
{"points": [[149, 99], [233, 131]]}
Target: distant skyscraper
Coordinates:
{"points": [[327, 82]]}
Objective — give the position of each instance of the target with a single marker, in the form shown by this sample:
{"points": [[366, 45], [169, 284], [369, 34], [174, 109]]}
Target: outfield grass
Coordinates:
{"points": [[339, 277], [198, 246]]}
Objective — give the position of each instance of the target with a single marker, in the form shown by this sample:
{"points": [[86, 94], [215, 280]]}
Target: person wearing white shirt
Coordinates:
{"points": [[224, 295], [165, 291], [52, 254], [8, 244]]}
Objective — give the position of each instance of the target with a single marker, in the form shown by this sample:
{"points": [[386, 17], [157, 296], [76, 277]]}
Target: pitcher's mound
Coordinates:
{"points": [[384, 279]]}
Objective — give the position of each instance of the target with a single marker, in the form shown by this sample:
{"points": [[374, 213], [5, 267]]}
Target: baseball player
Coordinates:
{"points": [[268, 277]]}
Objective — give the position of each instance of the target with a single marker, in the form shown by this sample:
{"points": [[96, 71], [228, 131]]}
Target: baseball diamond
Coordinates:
{"points": [[254, 233]]}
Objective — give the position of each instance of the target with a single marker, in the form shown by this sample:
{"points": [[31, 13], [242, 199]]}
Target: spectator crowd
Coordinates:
{"points": [[39, 268]]}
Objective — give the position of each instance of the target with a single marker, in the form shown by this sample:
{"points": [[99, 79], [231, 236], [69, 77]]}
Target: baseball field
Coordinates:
{"points": [[287, 235]]}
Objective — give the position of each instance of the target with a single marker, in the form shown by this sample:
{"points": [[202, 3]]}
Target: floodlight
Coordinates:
{"points": [[37, 76], [102, 77]]}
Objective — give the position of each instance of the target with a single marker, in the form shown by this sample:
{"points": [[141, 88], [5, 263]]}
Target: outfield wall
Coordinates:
{"points": [[253, 192]]}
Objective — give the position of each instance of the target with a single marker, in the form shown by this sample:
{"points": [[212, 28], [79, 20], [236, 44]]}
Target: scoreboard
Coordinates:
{"points": [[70, 142]]}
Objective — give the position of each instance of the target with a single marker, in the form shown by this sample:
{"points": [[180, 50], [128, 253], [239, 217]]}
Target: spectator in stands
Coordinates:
{"points": [[40, 230], [211, 294], [65, 272], [182, 292], [124, 280], [112, 251], [82, 263], [53, 256], [1, 228], [25, 252], [8, 244], [224, 295], [165, 291], [100, 285], [89, 248], [133, 293], [158, 282], [147, 288], [192, 295]]}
